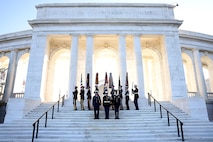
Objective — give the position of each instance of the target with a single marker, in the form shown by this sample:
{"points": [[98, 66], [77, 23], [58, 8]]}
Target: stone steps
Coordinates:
{"points": [[134, 125]]}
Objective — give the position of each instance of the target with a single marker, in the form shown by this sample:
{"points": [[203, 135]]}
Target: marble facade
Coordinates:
{"points": [[73, 39]]}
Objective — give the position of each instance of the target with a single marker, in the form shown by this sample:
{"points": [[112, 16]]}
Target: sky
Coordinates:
{"points": [[196, 14]]}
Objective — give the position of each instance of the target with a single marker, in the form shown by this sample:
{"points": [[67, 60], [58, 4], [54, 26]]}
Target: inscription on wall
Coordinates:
{"points": [[104, 13]]}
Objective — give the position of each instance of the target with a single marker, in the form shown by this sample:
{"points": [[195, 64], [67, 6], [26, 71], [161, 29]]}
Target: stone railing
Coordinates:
{"points": [[17, 95], [192, 94], [210, 95]]}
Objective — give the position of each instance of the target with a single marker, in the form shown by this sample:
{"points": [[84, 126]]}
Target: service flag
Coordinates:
{"points": [[110, 80], [87, 81], [127, 81], [96, 79]]}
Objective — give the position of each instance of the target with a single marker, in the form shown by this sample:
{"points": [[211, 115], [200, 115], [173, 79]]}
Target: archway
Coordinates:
{"points": [[21, 74], [106, 61], [58, 75], [152, 73], [207, 64], [4, 63], [189, 73]]}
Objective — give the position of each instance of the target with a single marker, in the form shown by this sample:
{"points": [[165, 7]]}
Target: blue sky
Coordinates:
{"points": [[197, 14]]}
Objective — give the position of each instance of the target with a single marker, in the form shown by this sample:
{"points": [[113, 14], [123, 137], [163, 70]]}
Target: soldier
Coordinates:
{"points": [[96, 101], [116, 102], [82, 97], [75, 97], [89, 98], [136, 96], [121, 96], [127, 97], [106, 104], [112, 95]]}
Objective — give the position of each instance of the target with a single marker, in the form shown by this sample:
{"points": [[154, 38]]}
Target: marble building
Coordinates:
{"points": [[68, 41]]}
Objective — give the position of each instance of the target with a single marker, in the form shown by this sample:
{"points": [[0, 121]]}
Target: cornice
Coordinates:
{"points": [[16, 35], [195, 36], [104, 21], [104, 5]]}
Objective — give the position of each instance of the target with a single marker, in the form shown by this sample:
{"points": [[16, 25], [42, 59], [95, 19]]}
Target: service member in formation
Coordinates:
{"points": [[112, 95], [116, 102], [106, 104], [82, 97], [127, 97], [89, 98], [96, 101], [136, 96], [121, 96], [75, 97]]}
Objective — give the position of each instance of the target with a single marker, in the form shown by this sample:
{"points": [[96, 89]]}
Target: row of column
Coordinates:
{"points": [[11, 73], [122, 60], [200, 81]]}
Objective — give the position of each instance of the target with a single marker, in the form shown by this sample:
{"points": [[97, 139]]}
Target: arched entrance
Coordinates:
{"points": [[106, 61]]}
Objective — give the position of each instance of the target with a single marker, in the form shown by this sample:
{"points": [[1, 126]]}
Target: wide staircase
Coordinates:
{"points": [[134, 125]]}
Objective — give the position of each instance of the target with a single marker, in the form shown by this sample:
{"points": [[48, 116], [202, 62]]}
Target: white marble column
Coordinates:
{"points": [[11, 74], [89, 57], [139, 65], [199, 74], [73, 63], [122, 59]]}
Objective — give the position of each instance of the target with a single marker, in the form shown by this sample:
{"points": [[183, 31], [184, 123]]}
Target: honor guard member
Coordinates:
{"points": [[82, 97], [112, 95], [136, 96], [106, 104], [96, 101], [75, 97], [116, 102], [127, 97], [121, 96], [89, 98]]}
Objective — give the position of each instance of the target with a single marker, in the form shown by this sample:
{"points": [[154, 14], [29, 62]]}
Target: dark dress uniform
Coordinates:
{"points": [[136, 96], [106, 104], [116, 102], [96, 101], [75, 97], [82, 97], [112, 96], [89, 98], [121, 97], [127, 98]]}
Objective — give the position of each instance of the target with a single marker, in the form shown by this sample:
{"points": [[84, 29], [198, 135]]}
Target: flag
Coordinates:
{"points": [[96, 79], [119, 82], [110, 80], [106, 79], [127, 81], [87, 81], [81, 80]]}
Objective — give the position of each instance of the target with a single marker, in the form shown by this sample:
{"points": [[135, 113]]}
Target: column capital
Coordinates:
{"points": [[195, 49], [75, 34], [137, 35]]}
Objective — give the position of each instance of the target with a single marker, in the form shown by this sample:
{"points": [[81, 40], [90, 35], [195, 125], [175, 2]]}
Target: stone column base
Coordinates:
{"points": [[17, 108], [194, 106]]}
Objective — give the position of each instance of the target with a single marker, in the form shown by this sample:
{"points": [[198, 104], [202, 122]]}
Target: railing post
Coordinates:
{"points": [[37, 129], [161, 112], [33, 135], [178, 127], [181, 129], [149, 99], [58, 106], [46, 120], [62, 101], [53, 112], [168, 117], [154, 105]]}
